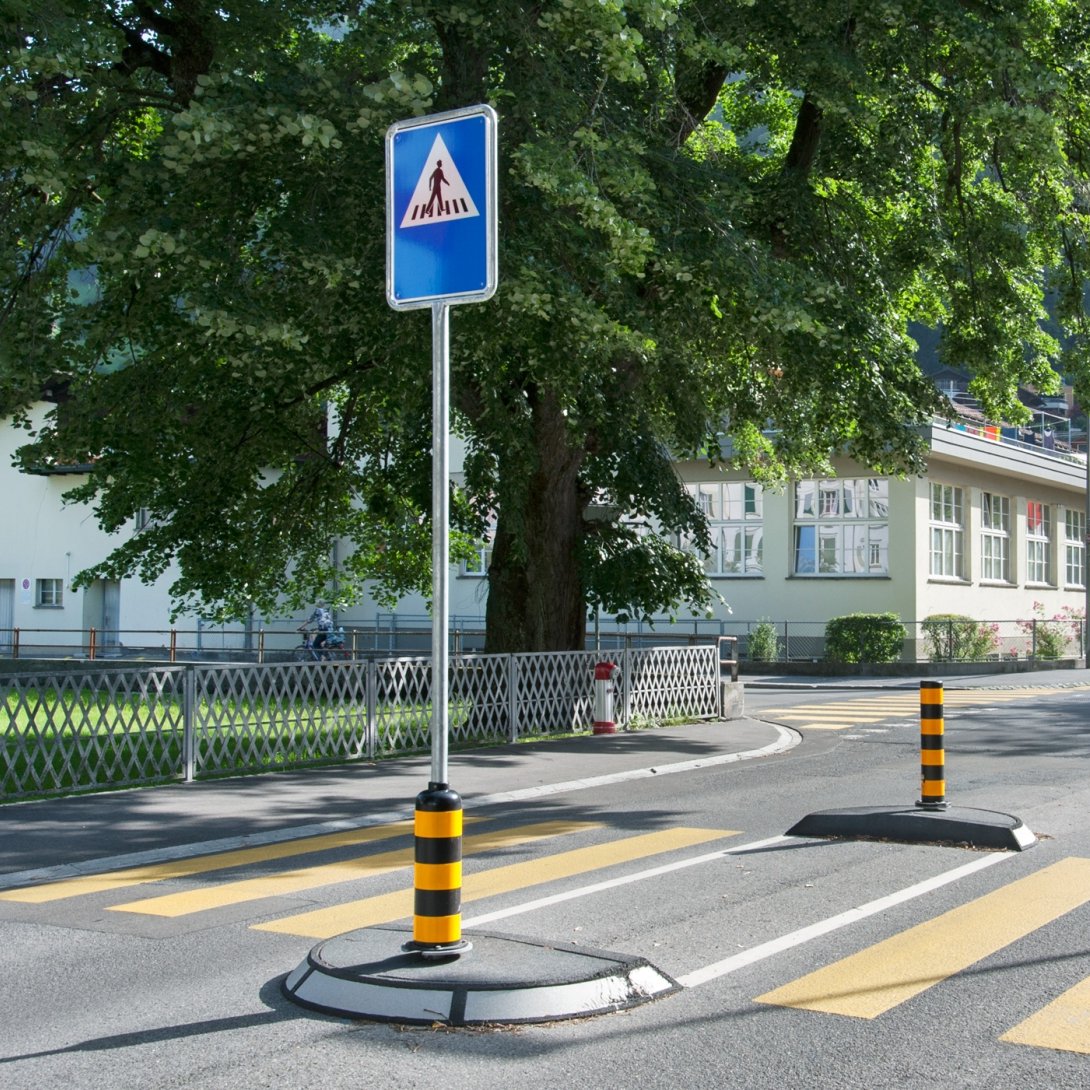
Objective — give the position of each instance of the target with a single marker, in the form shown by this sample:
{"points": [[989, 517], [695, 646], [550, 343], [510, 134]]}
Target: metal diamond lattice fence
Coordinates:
{"points": [[79, 729], [85, 729]]}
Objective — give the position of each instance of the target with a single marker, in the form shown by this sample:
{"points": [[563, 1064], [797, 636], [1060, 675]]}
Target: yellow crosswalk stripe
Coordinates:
{"points": [[879, 978], [303, 878], [832, 713], [839, 715], [203, 864], [1064, 1024], [373, 911]]}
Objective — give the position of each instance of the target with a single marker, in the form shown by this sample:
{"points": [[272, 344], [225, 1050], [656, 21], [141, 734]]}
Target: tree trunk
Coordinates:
{"points": [[535, 592]]}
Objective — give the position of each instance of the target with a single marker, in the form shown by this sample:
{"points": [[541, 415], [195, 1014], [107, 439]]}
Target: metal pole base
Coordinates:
{"points": [[438, 951]]}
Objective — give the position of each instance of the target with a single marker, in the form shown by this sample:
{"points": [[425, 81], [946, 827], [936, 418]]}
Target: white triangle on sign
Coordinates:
{"points": [[440, 194]]}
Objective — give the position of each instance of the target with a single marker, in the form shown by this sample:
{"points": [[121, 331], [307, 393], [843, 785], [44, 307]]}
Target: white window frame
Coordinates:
{"points": [[477, 568], [49, 594], [1038, 543], [735, 514], [995, 538], [1074, 547], [841, 528], [947, 532]]}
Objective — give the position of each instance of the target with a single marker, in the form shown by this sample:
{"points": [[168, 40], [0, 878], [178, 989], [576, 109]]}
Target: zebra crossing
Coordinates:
{"points": [[865, 985], [863, 711], [883, 976]]}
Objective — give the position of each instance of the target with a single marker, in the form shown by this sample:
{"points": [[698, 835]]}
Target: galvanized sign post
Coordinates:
{"points": [[441, 251]]}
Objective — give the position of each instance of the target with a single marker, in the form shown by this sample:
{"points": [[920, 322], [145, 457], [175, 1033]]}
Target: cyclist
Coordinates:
{"points": [[322, 620]]}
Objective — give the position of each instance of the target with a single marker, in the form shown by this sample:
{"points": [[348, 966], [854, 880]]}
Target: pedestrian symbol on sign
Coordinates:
{"points": [[440, 195]]}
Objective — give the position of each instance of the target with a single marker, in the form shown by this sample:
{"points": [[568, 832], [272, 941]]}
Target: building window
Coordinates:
{"points": [[734, 510], [995, 538], [49, 594], [477, 564], [841, 527], [947, 533], [1074, 548], [1038, 542]]}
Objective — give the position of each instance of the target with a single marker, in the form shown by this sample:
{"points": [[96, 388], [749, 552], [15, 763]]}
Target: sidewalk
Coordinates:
{"points": [[132, 827]]}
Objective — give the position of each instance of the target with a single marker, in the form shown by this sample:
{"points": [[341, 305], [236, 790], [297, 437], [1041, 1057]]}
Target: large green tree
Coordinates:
{"points": [[717, 219]]}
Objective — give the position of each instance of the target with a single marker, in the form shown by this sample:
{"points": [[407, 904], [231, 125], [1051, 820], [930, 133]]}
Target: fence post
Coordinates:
{"points": [[626, 688], [15, 643], [173, 645], [189, 717], [372, 708], [91, 639], [261, 645], [1033, 648], [786, 643], [512, 699]]}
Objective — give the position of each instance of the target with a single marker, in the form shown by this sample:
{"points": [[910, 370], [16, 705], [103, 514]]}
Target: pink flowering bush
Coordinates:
{"points": [[1049, 637]]}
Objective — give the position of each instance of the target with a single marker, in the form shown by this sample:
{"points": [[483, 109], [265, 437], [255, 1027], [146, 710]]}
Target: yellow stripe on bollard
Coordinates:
{"points": [[437, 931], [437, 875], [443, 823]]}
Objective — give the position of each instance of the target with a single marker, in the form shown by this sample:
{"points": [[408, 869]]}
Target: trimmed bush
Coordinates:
{"points": [[764, 643], [954, 637], [864, 637]]}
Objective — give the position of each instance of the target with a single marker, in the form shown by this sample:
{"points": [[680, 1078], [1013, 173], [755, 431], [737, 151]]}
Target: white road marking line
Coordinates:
{"points": [[834, 923], [624, 880]]}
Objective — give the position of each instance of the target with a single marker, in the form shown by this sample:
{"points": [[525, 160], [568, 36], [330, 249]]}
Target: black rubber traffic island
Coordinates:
{"points": [[917, 825]]}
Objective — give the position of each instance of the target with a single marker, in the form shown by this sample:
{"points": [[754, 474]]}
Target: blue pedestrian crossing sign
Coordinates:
{"points": [[441, 210]]}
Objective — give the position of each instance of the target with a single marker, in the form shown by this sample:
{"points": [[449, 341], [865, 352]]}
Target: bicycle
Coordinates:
{"points": [[332, 648]]}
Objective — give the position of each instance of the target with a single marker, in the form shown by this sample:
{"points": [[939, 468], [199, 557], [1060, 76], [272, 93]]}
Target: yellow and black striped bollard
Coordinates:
{"points": [[932, 751], [437, 874]]}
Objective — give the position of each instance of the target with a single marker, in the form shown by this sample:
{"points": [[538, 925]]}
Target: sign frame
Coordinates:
{"points": [[414, 253]]}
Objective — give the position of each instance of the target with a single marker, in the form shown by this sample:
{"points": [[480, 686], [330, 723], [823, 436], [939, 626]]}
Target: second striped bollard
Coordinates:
{"points": [[932, 747]]}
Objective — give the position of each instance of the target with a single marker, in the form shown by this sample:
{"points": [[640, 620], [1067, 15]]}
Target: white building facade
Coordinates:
{"points": [[996, 531], [993, 528]]}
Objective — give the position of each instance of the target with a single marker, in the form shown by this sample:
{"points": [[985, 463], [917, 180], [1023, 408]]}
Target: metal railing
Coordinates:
{"points": [[110, 725], [386, 636], [1031, 638]]}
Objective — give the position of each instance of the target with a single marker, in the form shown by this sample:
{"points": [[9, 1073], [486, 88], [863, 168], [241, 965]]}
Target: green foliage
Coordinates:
{"points": [[764, 642], [956, 638], [714, 218], [864, 637]]}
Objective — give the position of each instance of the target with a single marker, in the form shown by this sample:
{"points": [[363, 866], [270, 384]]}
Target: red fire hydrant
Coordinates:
{"points": [[605, 674]]}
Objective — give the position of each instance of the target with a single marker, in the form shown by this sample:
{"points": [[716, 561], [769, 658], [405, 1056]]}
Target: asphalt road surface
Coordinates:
{"points": [[144, 948]]}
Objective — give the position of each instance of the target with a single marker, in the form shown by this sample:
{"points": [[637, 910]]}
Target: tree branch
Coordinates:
{"points": [[697, 92], [806, 138]]}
